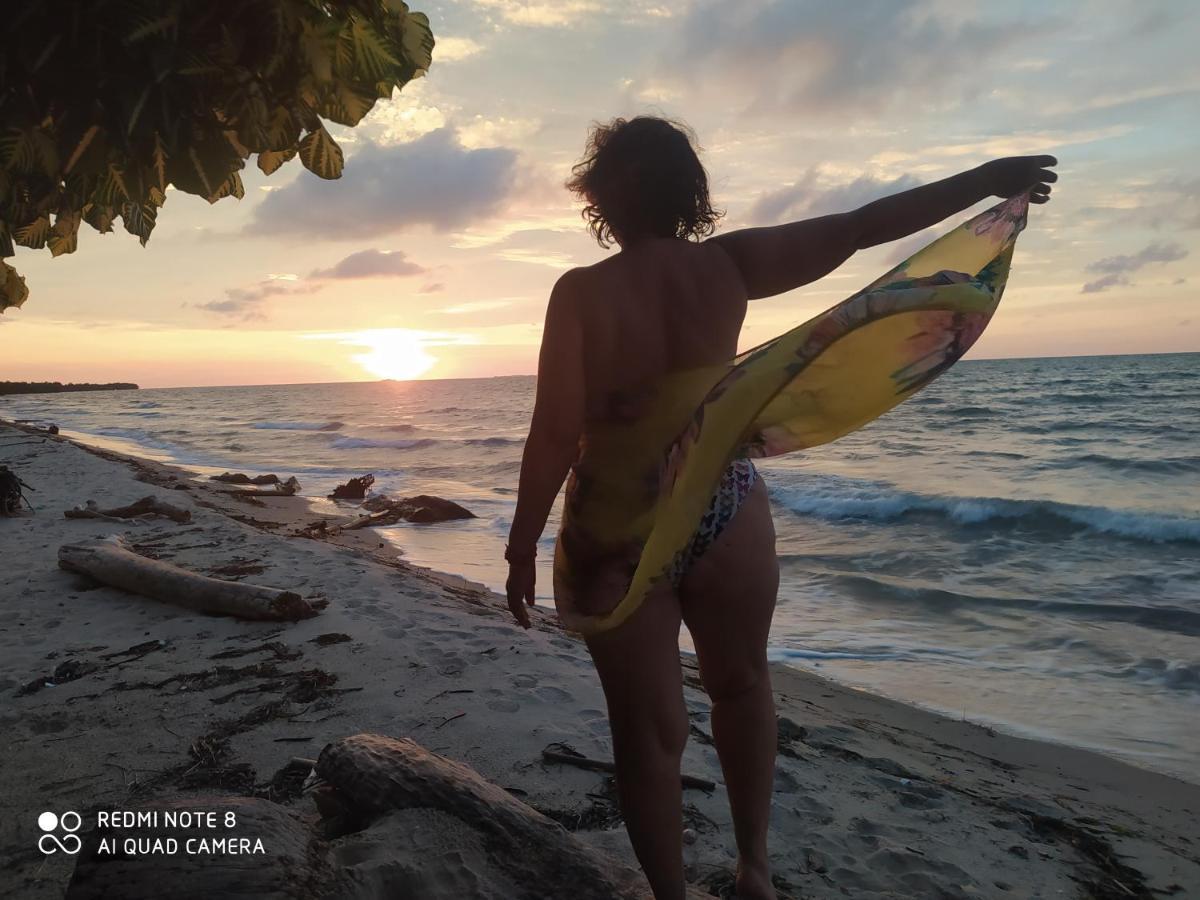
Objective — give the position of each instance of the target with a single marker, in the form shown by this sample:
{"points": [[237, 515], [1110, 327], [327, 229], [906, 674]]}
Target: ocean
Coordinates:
{"points": [[1018, 545]]}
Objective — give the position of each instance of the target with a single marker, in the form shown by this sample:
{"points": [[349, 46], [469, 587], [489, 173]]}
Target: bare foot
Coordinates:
{"points": [[754, 882]]}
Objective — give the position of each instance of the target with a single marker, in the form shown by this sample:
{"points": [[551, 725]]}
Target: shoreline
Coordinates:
{"points": [[318, 508], [873, 796]]}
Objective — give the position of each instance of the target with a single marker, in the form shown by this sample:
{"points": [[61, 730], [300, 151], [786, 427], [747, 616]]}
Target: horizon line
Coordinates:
{"points": [[176, 387]]}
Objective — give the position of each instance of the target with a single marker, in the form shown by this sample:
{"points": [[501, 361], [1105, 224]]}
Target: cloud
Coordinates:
{"points": [[837, 59], [371, 264], [473, 307], [452, 49], [432, 287], [551, 258], [247, 303], [1115, 269], [401, 119], [808, 197], [433, 181], [1103, 283], [565, 13]]}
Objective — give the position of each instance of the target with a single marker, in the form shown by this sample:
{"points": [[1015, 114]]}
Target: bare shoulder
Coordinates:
{"points": [[569, 285], [566, 296]]}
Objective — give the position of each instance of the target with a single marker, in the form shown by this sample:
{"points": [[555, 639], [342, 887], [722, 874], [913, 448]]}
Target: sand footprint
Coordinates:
{"points": [[554, 695], [500, 703]]}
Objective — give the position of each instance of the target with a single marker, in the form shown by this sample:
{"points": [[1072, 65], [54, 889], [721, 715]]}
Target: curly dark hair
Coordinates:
{"points": [[641, 177]]}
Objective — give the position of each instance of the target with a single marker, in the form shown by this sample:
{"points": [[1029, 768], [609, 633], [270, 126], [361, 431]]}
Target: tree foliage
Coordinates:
{"points": [[105, 103]]}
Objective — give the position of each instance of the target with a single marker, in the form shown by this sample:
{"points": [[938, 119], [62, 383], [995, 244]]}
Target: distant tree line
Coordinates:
{"points": [[57, 387]]}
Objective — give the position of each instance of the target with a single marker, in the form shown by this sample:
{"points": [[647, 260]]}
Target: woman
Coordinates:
{"points": [[632, 355]]}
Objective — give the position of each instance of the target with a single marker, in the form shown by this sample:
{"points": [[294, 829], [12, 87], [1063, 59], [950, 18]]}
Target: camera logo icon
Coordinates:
{"points": [[50, 823]]}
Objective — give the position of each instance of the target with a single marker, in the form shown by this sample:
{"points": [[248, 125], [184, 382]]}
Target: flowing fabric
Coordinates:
{"points": [[645, 477]]}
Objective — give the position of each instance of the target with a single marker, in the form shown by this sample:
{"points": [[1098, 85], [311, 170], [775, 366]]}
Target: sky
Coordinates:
{"points": [[434, 254]]}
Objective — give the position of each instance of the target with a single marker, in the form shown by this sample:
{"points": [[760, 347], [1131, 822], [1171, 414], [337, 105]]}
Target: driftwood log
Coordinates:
{"points": [[422, 509], [240, 478], [282, 489], [402, 792], [144, 508], [291, 865], [110, 561]]}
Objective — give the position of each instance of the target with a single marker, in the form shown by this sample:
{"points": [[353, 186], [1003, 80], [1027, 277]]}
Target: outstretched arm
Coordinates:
{"points": [[553, 441], [776, 259]]}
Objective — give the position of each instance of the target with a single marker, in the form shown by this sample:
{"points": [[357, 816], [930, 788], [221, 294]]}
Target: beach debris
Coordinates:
{"points": [[111, 562], [392, 786], [240, 478], [288, 488], [316, 530], [354, 489], [138, 509], [569, 756], [12, 492], [422, 509], [239, 568], [66, 671], [332, 637], [34, 426]]}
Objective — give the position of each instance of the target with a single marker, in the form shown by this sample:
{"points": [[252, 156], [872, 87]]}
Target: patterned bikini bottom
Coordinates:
{"points": [[735, 486]]}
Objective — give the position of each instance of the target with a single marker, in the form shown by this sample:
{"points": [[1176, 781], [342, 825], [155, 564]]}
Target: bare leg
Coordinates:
{"points": [[728, 597], [639, 670]]}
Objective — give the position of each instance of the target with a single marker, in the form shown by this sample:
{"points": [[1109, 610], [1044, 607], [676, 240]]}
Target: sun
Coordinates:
{"points": [[393, 353]]}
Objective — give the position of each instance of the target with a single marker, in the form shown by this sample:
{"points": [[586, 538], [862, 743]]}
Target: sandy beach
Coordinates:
{"points": [[111, 700]]}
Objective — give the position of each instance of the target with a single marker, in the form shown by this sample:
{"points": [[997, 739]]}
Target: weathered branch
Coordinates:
{"points": [[109, 560], [147, 506]]}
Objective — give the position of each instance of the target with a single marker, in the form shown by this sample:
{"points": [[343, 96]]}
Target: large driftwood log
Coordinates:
{"points": [[110, 561], [374, 780], [147, 506], [290, 865], [282, 489]]}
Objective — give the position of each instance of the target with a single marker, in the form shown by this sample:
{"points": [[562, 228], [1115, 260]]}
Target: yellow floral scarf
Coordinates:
{"points": [[636, 496]]}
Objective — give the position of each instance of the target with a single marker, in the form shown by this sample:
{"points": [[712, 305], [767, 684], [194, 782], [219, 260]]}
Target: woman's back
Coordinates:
{"points": [[660, 306]]}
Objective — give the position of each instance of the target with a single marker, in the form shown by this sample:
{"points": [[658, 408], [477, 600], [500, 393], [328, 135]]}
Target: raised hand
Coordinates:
{"points": [[1014, 174]]}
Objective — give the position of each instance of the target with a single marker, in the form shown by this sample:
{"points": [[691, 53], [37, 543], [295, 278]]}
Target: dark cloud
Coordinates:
{"points": [[433, 287], [247, 303], [805, 199], [371, 264], [1115, 269], [1104, 283], [432, 181], [814, 56]]}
